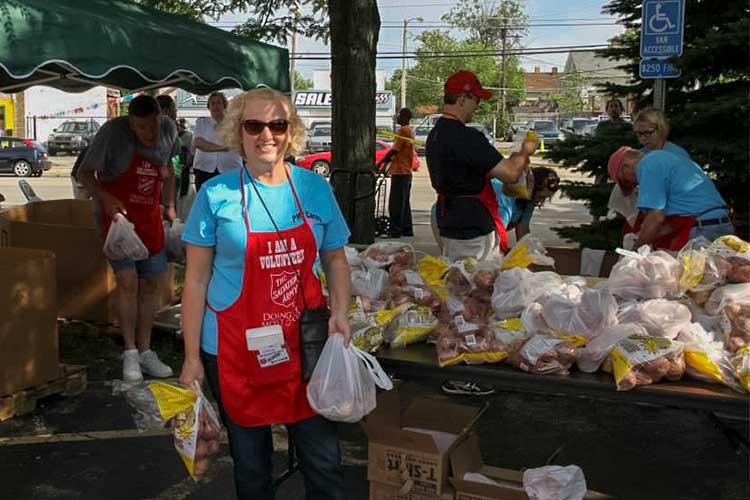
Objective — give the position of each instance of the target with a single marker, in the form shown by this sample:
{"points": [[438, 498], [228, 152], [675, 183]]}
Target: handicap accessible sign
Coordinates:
{"points": [[662, 28]]}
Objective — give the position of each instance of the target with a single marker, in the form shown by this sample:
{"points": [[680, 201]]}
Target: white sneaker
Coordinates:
{"points": [[152, 365], [131, 367]]}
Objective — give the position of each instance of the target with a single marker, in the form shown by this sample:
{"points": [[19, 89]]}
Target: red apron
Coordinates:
{"points": [[253, 395], [681, 227], [139, 189], [489, 201]]}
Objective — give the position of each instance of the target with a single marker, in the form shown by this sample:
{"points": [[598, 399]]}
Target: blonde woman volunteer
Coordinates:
{"points": [[253, 240]]}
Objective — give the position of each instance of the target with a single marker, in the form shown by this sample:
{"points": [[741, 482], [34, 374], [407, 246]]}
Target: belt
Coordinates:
{"points": [[712, 222]]}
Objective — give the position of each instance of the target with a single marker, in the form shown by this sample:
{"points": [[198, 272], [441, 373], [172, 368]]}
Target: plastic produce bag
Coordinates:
{"points": [[702, 270], [370, 282], [741, 365], [342, 386], [195, 426], [553, 482], [432, 270], [582, 318], [706, 358], [352, 257], [644, 275], [122, 242], [472, 343], [644, 360], [458, 278], [726, 295], [385, 253], [544, 355], [527, 251], [173, 244], [410, 325], [735, 324], [591, 357], [660, 317], [517, 287]]}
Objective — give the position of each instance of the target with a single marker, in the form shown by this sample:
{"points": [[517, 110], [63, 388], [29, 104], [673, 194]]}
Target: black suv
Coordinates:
{"points": [[72, 136], [22, 157]]}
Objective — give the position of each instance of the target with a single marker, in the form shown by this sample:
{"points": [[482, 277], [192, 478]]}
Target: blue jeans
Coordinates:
{"points": [[315, 440], [712, 232]]}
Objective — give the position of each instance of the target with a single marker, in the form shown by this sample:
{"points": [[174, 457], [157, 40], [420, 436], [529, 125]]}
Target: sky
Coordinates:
{"points": [[393, 13]]}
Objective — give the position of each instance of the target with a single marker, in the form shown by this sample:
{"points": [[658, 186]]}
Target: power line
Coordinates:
{"points": [[466, 52], [448, 55]]}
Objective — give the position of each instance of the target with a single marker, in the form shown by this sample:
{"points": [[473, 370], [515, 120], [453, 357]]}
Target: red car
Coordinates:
{"points": [[321, 162]]}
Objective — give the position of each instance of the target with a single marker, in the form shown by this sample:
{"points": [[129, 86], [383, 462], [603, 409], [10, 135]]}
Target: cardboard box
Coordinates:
{"points": [[568, 262], [467, 457], [412, 461], [28, 319], [85, 281], [379, 491]]}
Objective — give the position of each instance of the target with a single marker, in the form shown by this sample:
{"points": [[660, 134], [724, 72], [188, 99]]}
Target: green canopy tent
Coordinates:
{"points": [[74, 45]]}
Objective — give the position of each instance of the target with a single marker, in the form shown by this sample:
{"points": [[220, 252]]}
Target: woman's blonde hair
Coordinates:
{"points": [[653, 117], [230, 129]]}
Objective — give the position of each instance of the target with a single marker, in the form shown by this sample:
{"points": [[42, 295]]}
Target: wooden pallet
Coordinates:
{"points": [[72, 381]]}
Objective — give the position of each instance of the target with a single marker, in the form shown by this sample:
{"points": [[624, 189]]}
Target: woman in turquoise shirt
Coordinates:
{"points": [[651, 128]]}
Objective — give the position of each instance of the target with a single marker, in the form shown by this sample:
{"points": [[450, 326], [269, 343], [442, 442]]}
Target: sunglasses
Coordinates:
{"points": [[255, 127]]}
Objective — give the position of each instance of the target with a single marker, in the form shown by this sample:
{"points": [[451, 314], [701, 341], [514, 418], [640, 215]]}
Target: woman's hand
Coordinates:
{"points": [[339, 323], [192, 371]]}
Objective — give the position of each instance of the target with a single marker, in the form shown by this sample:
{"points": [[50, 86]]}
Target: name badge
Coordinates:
{"points": [[264, 336], [272, 355]]}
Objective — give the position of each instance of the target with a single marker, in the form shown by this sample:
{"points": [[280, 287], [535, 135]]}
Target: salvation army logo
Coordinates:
{"points": [[284, 287], [146, 185]]}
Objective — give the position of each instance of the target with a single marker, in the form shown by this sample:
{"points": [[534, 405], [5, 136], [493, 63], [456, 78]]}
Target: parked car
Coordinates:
{"points": [[321, 162], [319, 139], [575, 126], [590, 129], [546, 130], [486, 133], [420, 134], [23, 157], [72, 136]]}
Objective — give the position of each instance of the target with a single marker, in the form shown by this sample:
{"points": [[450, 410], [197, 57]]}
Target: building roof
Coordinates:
{"points": [[542, 82], [592, 66]]}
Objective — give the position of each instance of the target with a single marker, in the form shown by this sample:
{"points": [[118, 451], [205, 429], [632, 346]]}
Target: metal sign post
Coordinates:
{"points": [[662, 30]]}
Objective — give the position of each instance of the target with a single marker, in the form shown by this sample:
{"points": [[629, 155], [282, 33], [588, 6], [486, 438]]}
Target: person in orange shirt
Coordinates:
{"points": [[402, 154]]}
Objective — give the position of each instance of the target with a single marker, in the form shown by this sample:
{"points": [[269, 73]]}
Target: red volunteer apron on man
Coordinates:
{"points": [[258, 388], [489, 201], [681, 226], [139, 189]]}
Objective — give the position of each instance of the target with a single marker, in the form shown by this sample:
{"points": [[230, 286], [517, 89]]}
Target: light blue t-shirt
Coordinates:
{"points": [[216, 220], [522, 212], [505, 204], [672, 148], [676, 186]]}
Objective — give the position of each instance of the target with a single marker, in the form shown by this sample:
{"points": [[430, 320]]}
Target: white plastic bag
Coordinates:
{"points": [[644, 275], [660, 317], [585, 315], [173, 244], [590, 357], [553, 482], [122, 241], [517, 287], [370, 282], [342, 386]]}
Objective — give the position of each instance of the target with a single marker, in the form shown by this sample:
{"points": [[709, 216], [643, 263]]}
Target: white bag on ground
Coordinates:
{"points": [[553, 482], [342, 386], [122, 241]]}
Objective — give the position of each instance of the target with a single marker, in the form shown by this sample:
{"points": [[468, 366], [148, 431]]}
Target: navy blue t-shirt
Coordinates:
{"points": [[459, 159]]}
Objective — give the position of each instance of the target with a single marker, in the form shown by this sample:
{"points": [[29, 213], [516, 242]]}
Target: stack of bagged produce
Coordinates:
{"points": [[657, 317]]}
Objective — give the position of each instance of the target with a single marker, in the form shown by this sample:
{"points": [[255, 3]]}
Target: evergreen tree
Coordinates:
{"points": [[707, 106]]}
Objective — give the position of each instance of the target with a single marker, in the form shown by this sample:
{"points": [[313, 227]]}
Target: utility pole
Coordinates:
{"points": [[403, 60], [291, 63], [503, 76], [403, 68]]}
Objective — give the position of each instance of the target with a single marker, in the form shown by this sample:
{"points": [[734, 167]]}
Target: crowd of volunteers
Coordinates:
{"points": [[268, 273]]}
